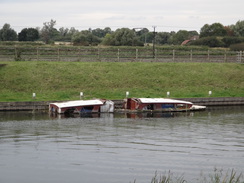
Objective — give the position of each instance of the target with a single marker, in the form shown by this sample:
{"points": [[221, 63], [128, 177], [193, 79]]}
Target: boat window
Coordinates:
{"points": [[87, 109], [166, 106]]}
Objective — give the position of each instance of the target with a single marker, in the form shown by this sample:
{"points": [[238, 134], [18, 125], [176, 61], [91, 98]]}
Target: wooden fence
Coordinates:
{"points": [[144, 54]]}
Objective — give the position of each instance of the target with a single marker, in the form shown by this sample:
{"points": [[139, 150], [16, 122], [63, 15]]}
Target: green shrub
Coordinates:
{"points": [[23, 43], [237, 47], [232, 40], [208, 41]]}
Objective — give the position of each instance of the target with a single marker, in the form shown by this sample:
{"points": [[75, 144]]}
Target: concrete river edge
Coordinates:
{"points": [[44, 105]]}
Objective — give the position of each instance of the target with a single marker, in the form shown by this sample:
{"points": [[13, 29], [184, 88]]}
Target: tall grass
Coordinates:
{"points": [[219, 176], [65, 80]]}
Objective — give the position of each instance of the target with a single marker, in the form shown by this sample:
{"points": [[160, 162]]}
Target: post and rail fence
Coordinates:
{"points": [[144, 54]]}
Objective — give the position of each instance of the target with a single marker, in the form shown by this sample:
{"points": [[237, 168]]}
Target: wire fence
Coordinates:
{"points": [[145, 54]]}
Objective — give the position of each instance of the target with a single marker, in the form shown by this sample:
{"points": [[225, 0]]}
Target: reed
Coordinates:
{"points": [[219, 176]]}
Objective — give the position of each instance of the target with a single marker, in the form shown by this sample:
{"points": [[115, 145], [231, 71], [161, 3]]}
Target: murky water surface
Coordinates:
{"points": [[37, 148]]}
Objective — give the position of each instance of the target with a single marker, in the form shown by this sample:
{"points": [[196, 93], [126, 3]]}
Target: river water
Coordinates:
{"points": [[111, 148]]}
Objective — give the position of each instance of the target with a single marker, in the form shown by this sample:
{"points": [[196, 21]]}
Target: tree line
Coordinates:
{"points": [[213, 35]]}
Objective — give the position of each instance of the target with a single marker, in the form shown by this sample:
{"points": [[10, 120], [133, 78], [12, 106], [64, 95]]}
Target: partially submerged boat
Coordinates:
{"points": [[82, 106], [159, 104], [129, 105]]}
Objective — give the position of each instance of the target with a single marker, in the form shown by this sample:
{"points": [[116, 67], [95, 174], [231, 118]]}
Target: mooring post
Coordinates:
{"points": [[209, 93], [168, 94], [34, 95], [127, 94], [81, 95]]}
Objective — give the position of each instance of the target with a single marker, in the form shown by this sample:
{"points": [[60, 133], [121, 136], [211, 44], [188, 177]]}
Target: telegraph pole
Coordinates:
{"points": [[154, 38]]}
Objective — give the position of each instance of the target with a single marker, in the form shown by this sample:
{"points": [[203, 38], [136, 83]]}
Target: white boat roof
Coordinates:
{"points": [[162, 100], [78, 103]]}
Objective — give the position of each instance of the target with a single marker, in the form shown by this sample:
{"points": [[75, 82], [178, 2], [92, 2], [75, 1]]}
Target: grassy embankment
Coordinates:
{"points": [[65, 80]]}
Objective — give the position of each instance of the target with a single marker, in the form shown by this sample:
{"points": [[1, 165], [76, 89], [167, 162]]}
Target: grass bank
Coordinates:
{"points": [[65, 80]]}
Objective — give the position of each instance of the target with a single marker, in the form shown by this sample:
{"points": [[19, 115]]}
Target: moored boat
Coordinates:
{"points": [[82, 106], [159, 104]]}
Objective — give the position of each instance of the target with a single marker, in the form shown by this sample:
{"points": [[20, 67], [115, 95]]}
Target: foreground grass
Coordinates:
{"points": [[65, 80], [219, 176]]}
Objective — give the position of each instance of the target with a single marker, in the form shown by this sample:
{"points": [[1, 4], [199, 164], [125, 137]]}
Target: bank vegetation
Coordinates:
{"points": [[65, 80]]}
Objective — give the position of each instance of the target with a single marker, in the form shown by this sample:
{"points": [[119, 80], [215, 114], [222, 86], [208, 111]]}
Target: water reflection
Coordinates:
{"points": [[122, 115], [119, 147], [8, 116]]}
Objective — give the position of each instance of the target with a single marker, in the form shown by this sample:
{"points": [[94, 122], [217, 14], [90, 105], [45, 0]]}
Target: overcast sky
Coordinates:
{"points": [[170, 15]]}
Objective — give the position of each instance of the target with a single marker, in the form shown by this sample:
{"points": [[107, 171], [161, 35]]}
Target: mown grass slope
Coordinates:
{"points": [[65, 80]]}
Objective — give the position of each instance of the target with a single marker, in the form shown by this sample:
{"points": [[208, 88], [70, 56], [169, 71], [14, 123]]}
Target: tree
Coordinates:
{"points": [[216, 29], [85, 38], [64, 34], [179, 37], [208, 41], [79, 39], [48, 32], [143, 34], [192, 33], [7, 33], [204, 32], [28, 34], [238, 28], [108, 39], [229, 30], [122, 37], [162, 37], [72, 31], [101, 32]]}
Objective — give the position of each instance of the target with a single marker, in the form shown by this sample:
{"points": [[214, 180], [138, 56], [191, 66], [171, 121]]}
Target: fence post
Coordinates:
{"points": [[155, 55], [191, 56], [208, 55], [37, 53], [79, 53], [225, 59], [98, 53], [15, 52], [136, 54], [240, 56], [173, 55], [118, 55], [58, 55]]}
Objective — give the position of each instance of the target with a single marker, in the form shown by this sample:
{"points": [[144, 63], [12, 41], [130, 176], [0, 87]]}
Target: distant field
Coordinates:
{"points": [[110, 80]]}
